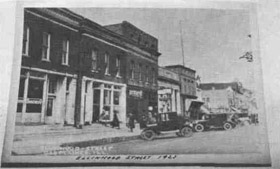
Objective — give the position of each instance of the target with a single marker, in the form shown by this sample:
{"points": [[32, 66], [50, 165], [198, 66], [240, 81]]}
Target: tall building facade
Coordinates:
{"points": [[187, 85], [141, 68]]}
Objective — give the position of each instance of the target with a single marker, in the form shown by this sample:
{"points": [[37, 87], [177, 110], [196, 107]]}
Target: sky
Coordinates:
{"points": [[213, 39]]}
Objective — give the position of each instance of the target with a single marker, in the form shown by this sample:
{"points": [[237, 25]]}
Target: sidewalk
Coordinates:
{"points": [[34, 139]]}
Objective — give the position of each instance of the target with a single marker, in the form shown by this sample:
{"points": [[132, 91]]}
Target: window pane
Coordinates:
{"points": [[21, 87], [19, 108], [52, 85], [35, 89], [107, 97], [33, 108], [96, 97], [116, 98], [45, 39], [49, 107]]}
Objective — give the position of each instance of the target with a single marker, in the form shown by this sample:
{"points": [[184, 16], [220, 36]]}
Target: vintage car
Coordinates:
{"points": [[166, 122], [226, 121]]}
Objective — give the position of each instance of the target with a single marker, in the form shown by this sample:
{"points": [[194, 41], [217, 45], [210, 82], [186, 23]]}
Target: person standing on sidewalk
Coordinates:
{"points": [[130, 123], [116, 121]]}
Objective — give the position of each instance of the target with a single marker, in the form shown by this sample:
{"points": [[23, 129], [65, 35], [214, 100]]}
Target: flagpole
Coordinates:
{"points": [[182, 43]]}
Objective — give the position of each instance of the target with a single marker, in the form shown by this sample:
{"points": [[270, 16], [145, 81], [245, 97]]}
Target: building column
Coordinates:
{"points": [[178, 102], [101, 98], [123, 104], [26, 82], [63, 101], [70, 111], [112, 103], [45, 99], [82, 109], [89, 103]]}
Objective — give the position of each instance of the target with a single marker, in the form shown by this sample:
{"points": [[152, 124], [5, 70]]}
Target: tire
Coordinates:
{"points": [[148, 135], [199, 128], [186, 132], [227, 126], [178, 134]]}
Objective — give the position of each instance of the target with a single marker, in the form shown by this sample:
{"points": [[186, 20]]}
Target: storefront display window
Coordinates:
{"points": [[116, 98], [33, 108], [21, 88], [35, 89]]}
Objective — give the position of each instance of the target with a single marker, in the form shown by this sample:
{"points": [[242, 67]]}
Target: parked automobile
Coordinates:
{"points": [[166, 122], [244, 118], [221, 120]]}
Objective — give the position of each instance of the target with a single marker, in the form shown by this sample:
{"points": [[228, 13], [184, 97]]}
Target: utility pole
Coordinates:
{"points": [[182, 43]]}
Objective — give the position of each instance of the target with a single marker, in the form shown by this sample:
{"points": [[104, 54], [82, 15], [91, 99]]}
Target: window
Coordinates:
{"points": [[94, 59], [132, 70], [46, 46], [35, 89], [153, 76], [116, 98], [65, 52], [52, 86], [140, 72], [25, 43], [107, 64], [118, 66], [147, 74]]}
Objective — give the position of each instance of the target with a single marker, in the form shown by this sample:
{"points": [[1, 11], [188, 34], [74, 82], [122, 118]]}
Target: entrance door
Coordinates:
{"points": [[34, 101], [96, 105], [51, 98]]}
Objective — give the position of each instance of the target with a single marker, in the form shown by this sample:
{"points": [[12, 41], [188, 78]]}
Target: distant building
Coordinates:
{"points": [[187, 85], [168, 91], [220, 96]]}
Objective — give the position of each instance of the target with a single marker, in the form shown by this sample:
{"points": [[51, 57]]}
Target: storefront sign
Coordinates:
{"points": [[136, 93], [34, 101], [165, 91]]}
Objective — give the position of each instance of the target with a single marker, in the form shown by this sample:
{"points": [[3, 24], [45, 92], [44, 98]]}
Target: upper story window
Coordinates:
{"points": [[46, 46], [118, 66], [147, 74], [140, 72], [132, 69], [153, 76], [94, 59], [107, 63], [25, 43], [65, 52]]}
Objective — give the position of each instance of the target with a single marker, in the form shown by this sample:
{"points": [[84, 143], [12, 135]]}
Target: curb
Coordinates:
{"points": [[102, 141]]}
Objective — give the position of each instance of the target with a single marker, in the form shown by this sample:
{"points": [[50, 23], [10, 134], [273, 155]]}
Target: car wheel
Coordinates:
{"points": [[186, 132], [148, 135], [178, 134], [227, 126], [199, 127]]}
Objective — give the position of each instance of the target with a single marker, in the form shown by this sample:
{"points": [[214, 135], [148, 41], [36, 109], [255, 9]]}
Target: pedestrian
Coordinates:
{"points": [[104, 117], [130, 123], [115, 122]]}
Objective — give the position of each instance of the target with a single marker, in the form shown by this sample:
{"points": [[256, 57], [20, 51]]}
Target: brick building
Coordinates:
{"points": [[142, 69], [48, 73], [188, 85], [73, 69]]}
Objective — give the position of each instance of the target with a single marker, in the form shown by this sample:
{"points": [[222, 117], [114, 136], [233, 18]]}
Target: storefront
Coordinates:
{"points": [[45, 97], [168, 100], [99, 96], [140, 101]]}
